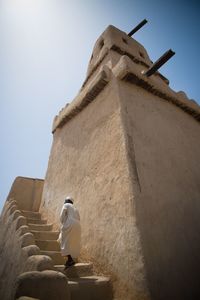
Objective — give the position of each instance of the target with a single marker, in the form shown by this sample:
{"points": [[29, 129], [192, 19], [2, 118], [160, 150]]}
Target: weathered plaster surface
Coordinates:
{"points": [[166, 144], [88, 161], [129, 71], [14, 248], [27, 192], [127, 150], [114, 43], [45, 285], [18, 251]]}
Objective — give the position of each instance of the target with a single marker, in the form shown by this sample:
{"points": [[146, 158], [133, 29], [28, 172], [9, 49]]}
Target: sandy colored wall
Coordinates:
{"points": [[22, 267], [16, 244], [131, 162], [165, 142], [27, 192], [88, 161]]}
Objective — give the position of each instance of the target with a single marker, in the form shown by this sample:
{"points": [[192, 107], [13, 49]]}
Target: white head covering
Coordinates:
{"points": [[69, 198]]}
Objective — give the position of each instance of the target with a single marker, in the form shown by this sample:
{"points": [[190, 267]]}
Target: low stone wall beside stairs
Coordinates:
{"points": [[32, 265], [20, 254]]}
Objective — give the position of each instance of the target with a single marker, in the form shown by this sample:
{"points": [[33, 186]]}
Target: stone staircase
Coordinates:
{"points": [[83, 283]]}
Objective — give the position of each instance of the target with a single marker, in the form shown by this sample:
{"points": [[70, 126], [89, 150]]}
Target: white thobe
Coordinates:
{"points": [[70, 235]]}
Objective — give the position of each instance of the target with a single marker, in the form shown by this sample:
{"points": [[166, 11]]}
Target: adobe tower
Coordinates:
{"points": [[127, 149]]}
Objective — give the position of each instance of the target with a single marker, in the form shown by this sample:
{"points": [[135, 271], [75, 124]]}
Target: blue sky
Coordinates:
{"points": [[45, 49]]}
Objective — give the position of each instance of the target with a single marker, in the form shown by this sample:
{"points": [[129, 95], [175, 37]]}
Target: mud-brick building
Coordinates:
{"points": [[127, 149]]}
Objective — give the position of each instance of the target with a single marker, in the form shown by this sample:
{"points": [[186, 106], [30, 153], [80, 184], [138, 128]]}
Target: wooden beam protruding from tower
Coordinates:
{"points": [[161, 61], [141, 24]]}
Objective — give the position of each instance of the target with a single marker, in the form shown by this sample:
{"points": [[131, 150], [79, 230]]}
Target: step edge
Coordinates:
{"points": [[49, 251], [35, 231], [77, 264], [49, 225], [46, 241], [96, 278]]}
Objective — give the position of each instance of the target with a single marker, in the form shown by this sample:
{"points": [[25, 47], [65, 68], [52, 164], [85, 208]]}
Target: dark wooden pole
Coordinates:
{"points": [[161, 61], [141, 24]]}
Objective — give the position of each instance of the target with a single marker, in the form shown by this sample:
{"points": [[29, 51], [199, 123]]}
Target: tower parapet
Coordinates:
{"points": [[117, 53]]}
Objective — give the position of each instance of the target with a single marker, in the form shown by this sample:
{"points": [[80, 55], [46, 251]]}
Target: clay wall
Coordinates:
{"points": [[164, 144], [89, 162], [16, 245], [27, 192], [127, 150]]}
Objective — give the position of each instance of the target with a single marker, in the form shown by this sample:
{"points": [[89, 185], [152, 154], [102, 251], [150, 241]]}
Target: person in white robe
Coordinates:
{"points": [[70, 234]]}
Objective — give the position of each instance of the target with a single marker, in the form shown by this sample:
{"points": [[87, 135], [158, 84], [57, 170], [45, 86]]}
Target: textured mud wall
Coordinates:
{"points": [[14, 248], [164, 143], [131, 161], [88, 161], [22, 268], [27, 192]]}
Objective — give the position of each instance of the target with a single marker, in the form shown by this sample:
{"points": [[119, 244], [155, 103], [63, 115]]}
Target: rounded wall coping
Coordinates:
{"points": [[130, 70]]}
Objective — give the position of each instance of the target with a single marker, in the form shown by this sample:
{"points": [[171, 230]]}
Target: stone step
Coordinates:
{"points": [[40, 227], [31, 214], [35, 221], [90, 288], [48, 245], [45, 235], [78, 270], [56, 256]]}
